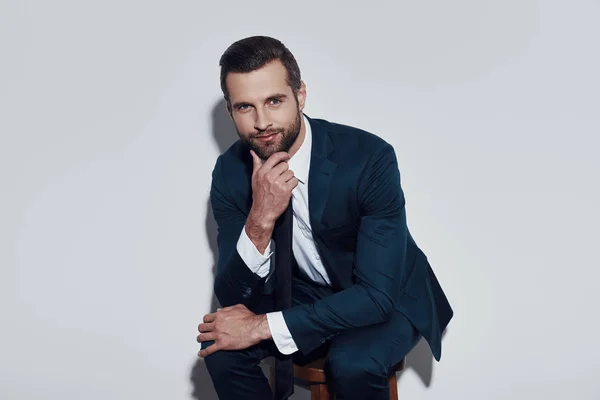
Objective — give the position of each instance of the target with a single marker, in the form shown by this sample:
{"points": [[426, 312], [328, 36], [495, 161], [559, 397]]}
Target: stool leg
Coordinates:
{"points": [[320, 392], [393, 387]]}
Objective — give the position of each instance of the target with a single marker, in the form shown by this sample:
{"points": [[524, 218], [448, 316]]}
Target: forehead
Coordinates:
{"points": [[258, 84]]}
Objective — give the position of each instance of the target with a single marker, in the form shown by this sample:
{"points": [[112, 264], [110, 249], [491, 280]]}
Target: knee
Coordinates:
{"points": [[221, 364], [349, 370]]}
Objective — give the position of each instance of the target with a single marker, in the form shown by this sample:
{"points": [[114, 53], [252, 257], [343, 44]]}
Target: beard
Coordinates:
{"points": [[285, 142]]}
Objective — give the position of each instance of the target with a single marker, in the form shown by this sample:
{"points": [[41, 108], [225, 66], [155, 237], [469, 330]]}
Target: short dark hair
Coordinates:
{"points": [[252, 53]]}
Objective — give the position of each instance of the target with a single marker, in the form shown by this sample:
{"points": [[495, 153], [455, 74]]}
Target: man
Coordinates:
{"points": [[362, 292]]}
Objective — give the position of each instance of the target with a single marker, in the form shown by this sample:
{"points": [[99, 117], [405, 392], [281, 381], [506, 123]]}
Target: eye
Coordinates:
{"points": [[275, 102]]}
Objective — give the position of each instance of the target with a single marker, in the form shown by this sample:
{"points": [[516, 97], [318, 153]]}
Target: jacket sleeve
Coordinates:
{"points": [[234, 282], [379, 262]]}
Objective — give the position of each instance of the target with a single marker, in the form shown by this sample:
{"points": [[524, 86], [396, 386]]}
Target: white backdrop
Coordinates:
{"points": [[111, 122]]}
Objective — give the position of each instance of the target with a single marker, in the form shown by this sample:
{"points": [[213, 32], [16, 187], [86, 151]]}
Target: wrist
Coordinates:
{"points": [[259, 222], [259, 231], [263, 331]]}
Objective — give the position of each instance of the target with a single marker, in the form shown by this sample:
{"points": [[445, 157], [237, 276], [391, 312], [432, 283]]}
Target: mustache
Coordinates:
{"points": [[267, 133]]}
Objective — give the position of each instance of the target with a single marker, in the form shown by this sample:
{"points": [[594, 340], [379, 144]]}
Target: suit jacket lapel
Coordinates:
{"points": [[321, 172]]}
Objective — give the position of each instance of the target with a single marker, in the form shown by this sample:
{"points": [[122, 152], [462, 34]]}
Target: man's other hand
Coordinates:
{"points": [[232, 328]]}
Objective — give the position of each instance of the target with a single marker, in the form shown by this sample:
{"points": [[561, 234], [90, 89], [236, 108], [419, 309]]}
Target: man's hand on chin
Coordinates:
{"points": [[232, 328]]}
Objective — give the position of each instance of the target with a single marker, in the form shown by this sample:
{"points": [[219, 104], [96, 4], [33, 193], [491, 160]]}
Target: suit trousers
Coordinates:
{"points": [[358, 359]]}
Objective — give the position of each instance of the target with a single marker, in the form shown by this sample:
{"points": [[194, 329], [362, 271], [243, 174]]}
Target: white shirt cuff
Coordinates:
{"points": [[258, 263], [280, 333]]}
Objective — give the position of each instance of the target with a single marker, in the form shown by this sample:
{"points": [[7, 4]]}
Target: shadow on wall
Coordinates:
{"points": [[420, 360], [202, 386], [224, 134]]}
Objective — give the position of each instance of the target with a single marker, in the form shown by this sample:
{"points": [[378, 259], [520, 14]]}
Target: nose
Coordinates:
{"points": [[261, 123]]}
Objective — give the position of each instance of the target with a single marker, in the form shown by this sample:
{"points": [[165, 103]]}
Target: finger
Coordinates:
{"points": [[209, 350], [286, 176], [291, 184], [206, 327], [257, 162], [275, 159], [277, 170], [209, 317], [206, 336]]}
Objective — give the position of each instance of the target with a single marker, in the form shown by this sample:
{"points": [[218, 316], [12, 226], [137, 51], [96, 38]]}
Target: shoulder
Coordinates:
{"points": [[235, 161], [354, 143], [231, 178]]}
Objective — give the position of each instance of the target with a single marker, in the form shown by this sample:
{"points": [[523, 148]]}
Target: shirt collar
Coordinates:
{"points": [[300, 161]]}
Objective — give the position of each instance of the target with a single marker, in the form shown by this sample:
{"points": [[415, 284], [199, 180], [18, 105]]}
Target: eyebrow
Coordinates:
{"points": [[277, 96]]}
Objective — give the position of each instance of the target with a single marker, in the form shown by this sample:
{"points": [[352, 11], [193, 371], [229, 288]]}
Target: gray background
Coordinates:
{"points": [[111, 121]]}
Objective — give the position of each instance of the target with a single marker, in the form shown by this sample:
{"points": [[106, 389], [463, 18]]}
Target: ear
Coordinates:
{"points": [[301, 95], [228, 106]]}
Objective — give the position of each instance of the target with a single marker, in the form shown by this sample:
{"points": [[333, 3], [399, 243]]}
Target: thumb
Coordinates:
{"points": [[256, 161]]}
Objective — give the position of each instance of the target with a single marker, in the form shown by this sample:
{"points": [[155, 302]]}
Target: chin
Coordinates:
{"points": [[265, 152]]}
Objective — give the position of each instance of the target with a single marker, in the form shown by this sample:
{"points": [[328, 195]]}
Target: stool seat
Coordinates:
{"points": [[313, 375]]}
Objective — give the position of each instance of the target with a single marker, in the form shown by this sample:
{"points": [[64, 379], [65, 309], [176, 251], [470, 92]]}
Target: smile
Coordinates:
{"points": [[267, 138]]}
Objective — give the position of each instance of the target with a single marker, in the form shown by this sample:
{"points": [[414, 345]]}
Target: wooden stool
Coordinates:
{"points": [[313, 376]]}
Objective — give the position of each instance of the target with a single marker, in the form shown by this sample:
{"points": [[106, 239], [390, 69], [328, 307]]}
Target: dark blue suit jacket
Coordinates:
{"points": [[358, 219]]}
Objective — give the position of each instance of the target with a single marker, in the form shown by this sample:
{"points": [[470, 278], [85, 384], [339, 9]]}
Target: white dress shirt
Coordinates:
{"points": [[303, 245]]}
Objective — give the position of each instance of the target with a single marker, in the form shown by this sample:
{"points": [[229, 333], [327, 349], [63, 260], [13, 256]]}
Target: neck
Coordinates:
{"points": [[300, 139]]}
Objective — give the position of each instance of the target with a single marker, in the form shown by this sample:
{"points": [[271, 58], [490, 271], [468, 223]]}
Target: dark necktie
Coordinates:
{"points": [[282, 235]]}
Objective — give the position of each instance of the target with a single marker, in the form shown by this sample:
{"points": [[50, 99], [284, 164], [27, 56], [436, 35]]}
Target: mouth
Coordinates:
{"points": [[266, 138]]}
